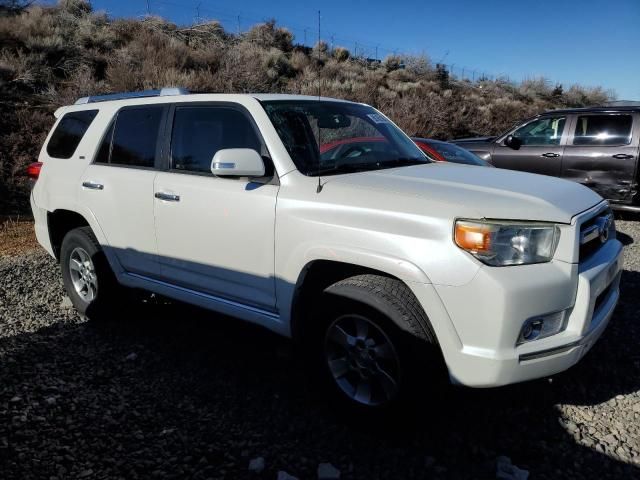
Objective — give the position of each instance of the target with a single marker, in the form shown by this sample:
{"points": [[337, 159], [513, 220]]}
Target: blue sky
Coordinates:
{"points": [[591, 42]]}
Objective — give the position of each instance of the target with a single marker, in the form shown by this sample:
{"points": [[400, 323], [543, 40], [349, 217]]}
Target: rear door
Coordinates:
{"points": [[542, 147], [118, 186], [602, 153]]}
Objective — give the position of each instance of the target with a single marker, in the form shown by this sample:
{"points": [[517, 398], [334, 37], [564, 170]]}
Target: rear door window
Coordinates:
{"points": [[603, 130], [68, 133], [132, 138]]}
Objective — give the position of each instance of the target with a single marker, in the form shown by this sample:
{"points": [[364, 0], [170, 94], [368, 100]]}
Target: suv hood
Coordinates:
{"points": [[476, 192]]}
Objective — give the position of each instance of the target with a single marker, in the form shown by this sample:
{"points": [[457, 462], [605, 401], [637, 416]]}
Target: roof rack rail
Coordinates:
{"points": [[167, 91], [622, 103]]}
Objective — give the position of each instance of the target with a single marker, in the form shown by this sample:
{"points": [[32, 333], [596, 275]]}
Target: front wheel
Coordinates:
{"points": [[362, 360], [86, 274], [375, 347]]}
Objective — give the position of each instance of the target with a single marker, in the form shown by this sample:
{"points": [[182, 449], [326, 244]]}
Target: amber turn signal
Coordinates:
{"points": [[473, 237]]}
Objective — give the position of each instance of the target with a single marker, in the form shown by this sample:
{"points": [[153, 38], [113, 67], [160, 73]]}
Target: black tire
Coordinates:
{"points": [[388, 305], [107, 288]]}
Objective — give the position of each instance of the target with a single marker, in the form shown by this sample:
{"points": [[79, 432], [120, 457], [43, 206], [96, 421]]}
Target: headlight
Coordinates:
{"points": [[499, 243]]}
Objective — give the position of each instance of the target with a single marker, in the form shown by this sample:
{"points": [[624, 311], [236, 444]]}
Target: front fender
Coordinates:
{"points": [[290, 279], [397, 267], [483, 154]]}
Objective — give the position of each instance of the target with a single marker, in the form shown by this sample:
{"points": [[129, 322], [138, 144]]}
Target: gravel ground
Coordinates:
{"points": [[170, 391]]}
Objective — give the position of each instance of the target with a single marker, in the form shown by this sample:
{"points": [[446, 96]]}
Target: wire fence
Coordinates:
{"points": [[235, 21], [306, 35]]}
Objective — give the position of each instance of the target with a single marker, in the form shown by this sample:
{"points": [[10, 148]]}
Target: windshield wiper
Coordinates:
{"points": [[347, 168], [364, 166], [404, 162]]}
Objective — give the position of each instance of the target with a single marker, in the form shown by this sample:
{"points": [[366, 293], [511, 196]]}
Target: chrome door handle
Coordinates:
{"points": [[622, 156], [169, 197], [551, 155], [93, 185]]}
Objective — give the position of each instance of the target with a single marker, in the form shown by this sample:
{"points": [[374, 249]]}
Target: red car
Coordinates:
{"points": [[435, 149], [448, 152]]}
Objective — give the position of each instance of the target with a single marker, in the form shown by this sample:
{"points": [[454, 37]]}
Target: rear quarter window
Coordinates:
{"points": [[68, 133]]}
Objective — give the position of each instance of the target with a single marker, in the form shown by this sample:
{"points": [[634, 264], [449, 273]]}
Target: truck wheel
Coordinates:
{"points": [[375, 347], [87, 276]]}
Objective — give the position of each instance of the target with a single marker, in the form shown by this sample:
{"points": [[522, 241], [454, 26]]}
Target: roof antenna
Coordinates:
{"points": [[319, 189]]}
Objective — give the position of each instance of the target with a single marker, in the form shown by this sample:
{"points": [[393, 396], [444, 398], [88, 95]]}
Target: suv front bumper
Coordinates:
{"points": [[478, 324]]}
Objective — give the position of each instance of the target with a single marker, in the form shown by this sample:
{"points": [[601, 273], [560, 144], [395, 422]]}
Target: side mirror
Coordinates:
{"points": [[237, 162], [513, 142]]}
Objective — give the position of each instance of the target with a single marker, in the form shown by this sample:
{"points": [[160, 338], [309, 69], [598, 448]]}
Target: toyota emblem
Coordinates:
{"points": [[604, 225]]}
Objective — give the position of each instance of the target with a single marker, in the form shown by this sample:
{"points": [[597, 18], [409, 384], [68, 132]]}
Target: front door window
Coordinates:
{"points": [[543, 131]]}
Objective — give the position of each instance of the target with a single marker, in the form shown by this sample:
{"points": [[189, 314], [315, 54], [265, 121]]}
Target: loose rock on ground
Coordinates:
{"points": [[165, 390]]}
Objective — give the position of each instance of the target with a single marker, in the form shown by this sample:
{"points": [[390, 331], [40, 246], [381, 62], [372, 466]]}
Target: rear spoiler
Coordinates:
{"points": [[58, 113]]}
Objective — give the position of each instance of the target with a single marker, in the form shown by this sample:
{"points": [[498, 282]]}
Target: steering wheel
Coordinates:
{"points": [[354, 151]]}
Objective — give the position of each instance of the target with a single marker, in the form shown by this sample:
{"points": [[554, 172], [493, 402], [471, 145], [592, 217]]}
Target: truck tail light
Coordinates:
{"points": [[431, 152], [33, 170]]}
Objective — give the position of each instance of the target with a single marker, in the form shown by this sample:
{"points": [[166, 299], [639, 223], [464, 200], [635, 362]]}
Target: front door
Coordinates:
{"points": [[541, 150], [603, 153], [215, 235]]}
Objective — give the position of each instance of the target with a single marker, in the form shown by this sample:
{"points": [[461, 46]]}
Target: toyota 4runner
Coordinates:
{"points": [[390, 269]]}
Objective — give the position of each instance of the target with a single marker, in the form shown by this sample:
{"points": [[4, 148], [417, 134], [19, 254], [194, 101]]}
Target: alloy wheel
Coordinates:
{"points": [[83, 274], [362, 360]]}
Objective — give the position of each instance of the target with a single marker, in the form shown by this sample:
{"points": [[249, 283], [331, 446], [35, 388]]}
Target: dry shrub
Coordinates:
{"points": [[244, 67], [299, 60], [341, 54], [76, 7], [392, 62], [16, 235], [49, 56], [418, 65], [267, 35], [277, 65]]}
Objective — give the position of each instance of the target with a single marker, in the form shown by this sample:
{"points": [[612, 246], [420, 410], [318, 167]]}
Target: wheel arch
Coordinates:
{"points": [[319, 274], [62, 220]]}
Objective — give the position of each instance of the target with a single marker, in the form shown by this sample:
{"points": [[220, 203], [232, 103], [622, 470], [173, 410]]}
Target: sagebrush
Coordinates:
{"points": [[50, 56]]}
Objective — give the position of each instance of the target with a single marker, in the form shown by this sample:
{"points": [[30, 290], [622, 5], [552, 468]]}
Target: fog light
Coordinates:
{"points": [[543, 326], [532, 329]]}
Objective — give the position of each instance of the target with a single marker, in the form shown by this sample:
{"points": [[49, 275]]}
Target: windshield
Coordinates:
{"points": [[325, 137]]}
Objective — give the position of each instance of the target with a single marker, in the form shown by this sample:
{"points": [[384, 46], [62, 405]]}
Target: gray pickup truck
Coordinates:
{"points": [[597, 147]]}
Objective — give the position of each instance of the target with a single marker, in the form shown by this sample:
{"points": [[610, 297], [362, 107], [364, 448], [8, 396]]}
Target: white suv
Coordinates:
{"points": [[319, 219]]}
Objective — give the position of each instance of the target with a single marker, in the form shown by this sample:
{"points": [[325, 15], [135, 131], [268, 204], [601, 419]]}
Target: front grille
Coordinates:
{"points": [[595, 232]]}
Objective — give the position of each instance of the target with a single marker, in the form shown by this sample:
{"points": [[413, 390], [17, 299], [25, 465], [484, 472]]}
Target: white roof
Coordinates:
{"points": [[285, 96], [169, 95]]}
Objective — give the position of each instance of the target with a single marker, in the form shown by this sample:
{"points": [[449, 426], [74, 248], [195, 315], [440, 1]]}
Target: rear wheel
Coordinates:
{"points": [[374, 347], [83, 274], [87, 276]]}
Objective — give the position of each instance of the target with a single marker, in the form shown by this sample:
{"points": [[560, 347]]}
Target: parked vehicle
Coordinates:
{"points": [[448, 152], [391, 270], [435, 149], [597, 147]]}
